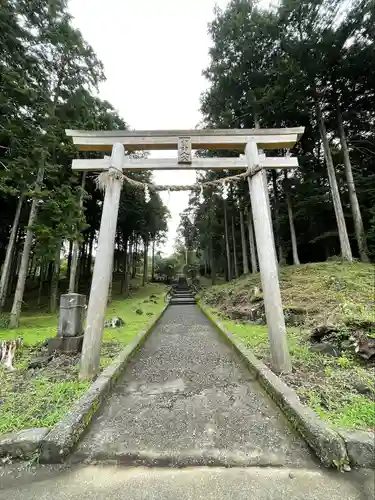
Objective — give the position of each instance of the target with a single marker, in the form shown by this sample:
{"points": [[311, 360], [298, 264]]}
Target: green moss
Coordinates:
{"points": [[88, 417]]}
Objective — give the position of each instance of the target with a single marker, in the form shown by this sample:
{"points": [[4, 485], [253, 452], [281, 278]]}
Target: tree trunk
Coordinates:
{"points": [[212, 263], [293, 237], [55, 279], [128, 273], [346, 251], [16, 260], [279, 245], [69, 263], [73, 268], [49, 275], [41, 282], [145, 262], [253, 254], [356, 211], [31, 263], [125, 267], [34, 271], [236, 274], [245, 262], [134, 260], [153, 261], [229, 275], [226, 277], [89, 255], [213, 271], [74, 262], [15, 314], [83, 260], [130, 257], [80, 258], [5, 273]]}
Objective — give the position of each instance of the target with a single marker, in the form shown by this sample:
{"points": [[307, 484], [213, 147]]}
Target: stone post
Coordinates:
{"points": [[268, 264], [90, 360], [70, 330]]}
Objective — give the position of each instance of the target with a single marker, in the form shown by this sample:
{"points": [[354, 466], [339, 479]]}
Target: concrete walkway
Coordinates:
{"points": [[187, 399], [138, 483]]}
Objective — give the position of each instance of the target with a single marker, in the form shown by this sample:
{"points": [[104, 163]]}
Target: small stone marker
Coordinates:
{"points": [[115, 322], [70, 330]]}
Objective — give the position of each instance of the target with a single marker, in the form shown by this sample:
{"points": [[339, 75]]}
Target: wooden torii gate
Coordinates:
{"points": [[184, 141]]}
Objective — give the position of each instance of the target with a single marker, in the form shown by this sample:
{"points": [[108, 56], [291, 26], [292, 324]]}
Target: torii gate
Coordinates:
{"points": [[184, 141]]}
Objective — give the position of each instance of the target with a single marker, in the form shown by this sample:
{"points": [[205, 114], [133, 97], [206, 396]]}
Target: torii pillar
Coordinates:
{"points": [[269, 270], [90, 360]]}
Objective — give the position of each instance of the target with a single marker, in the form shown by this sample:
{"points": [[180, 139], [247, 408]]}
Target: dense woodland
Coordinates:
{"points": [[49, 77], [305, 63]]}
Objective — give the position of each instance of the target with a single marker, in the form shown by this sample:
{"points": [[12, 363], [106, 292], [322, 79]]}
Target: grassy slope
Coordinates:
{"points": [[39, 398], [329, 292]]}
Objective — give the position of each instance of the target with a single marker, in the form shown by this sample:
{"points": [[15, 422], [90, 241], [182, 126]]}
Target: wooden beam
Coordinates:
{"points": [[200, 139], [132, 164]]}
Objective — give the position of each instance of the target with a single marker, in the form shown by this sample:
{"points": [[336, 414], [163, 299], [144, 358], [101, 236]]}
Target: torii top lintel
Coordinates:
{"points": [[200, 139]]}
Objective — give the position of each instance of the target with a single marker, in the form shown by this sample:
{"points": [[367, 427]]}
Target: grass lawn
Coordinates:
{"points": [[340, 389], [39, 397]]}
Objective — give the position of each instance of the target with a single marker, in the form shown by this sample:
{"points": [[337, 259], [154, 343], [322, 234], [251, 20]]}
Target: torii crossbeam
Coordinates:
{"points": [[184, 141], [171, 139]]}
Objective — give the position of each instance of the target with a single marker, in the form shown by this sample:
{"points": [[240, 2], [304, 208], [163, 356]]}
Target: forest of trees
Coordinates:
{"points": [[49, 78], [304, 63]]}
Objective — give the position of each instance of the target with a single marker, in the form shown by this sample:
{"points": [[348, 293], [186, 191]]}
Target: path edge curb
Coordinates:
{"points": [[64, 435], [329, 446], [23, 444]]}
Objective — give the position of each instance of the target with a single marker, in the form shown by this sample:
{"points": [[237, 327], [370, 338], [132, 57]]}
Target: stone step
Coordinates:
{"points": [[121, 454], [109, 482], [182, 301]]}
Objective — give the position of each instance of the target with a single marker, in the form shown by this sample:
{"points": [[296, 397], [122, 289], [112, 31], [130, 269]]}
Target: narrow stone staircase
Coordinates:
{"points": [[182, 295]]}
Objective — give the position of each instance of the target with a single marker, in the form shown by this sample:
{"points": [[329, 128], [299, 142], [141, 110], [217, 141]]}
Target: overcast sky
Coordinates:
{"points": [[153, 52]]}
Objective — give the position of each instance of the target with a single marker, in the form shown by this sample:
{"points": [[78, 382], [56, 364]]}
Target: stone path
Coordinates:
{"points": [[187, 399]]}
